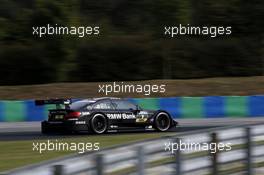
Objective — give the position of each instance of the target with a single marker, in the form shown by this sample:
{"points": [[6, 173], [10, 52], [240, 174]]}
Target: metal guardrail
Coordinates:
{"points": [[150, 157]]}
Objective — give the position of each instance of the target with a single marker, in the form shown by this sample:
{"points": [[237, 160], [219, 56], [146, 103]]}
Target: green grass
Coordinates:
{"points": [[20, 153]]}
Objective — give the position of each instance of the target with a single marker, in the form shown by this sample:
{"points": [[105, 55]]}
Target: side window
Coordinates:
{"points": [[124, 105], [103, 105]]}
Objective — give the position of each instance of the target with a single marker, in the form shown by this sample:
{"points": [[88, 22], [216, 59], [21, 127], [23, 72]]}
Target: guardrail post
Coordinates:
{"points": [[214, 155], [178, 158], [141, 161], [249, 151], [58, 170], [99, 164]]}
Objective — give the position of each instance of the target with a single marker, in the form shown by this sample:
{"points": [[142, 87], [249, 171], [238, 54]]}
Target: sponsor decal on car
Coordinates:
{"points": [[143, 113], [86, 113], [58, 117], [142, 118], [121, 116], [80, 122]]}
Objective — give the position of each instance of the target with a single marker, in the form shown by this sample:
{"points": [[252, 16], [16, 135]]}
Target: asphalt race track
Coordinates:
{"points": [[31, 130]]}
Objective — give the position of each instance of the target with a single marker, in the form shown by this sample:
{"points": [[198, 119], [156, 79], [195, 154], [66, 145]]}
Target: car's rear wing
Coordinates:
{"points": [[57, 102]]}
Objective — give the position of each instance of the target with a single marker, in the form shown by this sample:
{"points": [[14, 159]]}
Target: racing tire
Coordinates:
{"points": [[98, 124], [162, 122]]}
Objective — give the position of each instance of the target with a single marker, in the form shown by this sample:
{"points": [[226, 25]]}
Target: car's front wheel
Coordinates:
{"points": [[162, 121], [98, 124]]}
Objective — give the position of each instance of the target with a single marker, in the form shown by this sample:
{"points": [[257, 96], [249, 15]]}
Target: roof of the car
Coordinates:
{"points": [[106, 98], [93, 100]]}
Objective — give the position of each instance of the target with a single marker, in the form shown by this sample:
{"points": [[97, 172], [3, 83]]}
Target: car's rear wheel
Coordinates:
{"points": [[98, 124], [162, 121]]}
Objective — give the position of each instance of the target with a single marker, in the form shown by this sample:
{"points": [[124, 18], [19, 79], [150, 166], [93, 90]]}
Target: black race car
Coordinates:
{"points": [[99, 115]]}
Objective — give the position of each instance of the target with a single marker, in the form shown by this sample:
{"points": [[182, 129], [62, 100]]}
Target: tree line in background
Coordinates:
{"points": [[131, 45]]}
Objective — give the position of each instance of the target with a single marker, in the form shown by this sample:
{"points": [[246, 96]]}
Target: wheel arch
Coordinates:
{"points": [[160, 111], [172, 122], [89, 117], [92, 115]]}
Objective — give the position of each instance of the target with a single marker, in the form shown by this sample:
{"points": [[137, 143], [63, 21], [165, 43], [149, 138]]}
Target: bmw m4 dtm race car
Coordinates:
{"points": [[99, 115]]}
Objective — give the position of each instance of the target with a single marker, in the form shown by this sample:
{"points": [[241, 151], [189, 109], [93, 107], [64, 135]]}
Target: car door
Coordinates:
{"points": [[127, 111], [106, 107]]}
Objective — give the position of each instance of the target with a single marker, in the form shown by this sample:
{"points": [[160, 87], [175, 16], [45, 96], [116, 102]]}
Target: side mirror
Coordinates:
{"points": [[138, 108], [134, 110], [131, 109]]}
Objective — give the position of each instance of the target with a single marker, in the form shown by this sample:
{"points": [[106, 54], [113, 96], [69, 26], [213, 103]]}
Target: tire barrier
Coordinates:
{"points": [[178, 107]]}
